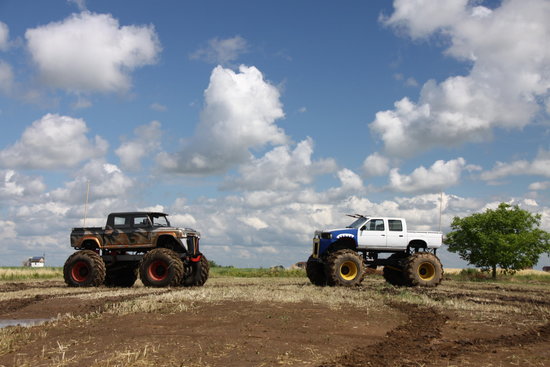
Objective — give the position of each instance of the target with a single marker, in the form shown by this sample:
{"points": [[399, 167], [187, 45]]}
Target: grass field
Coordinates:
{"points": [[263, 317], [23, 273]]}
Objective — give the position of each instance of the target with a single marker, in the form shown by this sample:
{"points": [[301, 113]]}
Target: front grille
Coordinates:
{"points": [[316, 248]]}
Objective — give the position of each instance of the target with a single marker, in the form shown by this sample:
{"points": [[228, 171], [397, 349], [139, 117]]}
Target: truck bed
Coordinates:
{"points": [[425, 232]]}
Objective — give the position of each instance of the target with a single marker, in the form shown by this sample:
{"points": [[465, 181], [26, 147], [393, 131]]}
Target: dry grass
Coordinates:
{"points": [[129, 357], [22, 273], [259, 290]]}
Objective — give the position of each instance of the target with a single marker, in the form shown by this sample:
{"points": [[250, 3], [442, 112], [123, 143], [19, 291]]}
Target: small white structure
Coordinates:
{"points": [[35, 262]]}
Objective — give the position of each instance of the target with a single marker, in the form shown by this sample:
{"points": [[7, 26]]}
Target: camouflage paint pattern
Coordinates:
{"points": [[133, 237]]}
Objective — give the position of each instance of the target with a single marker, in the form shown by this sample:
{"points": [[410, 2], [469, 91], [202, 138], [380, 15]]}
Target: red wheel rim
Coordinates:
{"points": [[158, 270], [80, 271]]}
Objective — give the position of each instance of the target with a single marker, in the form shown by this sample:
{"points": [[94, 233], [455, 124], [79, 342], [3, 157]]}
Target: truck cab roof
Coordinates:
{"points": [[139, 213]]}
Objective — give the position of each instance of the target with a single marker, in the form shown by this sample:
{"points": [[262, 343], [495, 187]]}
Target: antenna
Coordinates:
{"points": [[86, 202]]}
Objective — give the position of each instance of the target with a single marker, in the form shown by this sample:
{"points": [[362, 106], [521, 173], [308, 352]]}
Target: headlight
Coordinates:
{"points": [[326, 235]]}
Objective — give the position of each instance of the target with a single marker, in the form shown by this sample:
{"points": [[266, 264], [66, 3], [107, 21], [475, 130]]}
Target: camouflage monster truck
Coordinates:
{"points": [[132, 243]]}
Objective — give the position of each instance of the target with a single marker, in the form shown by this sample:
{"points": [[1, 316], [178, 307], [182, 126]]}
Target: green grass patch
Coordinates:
{"points": [[23, 273]]}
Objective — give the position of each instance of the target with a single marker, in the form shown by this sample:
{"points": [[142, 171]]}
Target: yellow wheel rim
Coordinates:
{"points": [[348, 270], [426, 271]]}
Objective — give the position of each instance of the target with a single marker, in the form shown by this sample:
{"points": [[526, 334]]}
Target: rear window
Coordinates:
{"points": [[395, 225]]}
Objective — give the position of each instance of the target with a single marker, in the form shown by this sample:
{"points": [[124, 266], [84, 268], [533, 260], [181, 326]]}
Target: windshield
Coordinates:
{"points": [[358, 223], [160, 221]]}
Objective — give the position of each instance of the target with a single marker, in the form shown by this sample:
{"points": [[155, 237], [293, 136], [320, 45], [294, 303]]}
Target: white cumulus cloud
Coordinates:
{"points": [[13, 185], [535, 186], [239, 114], [106, 181], [540, 166], [90, 52], [221, 51], [4, 36], [436, 178], [146, 141], [53, 142], [376, 165], [419, 18], [507, 81], [281, 169]]}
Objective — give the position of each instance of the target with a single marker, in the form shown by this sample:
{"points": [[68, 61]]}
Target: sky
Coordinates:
{"points": [[257, 123]]}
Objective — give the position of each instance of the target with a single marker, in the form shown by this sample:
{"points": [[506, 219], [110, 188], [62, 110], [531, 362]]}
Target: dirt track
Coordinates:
{"points": [[457, 324]]}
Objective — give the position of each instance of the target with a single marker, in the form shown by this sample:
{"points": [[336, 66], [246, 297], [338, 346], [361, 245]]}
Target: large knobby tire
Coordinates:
{"points": [[84, 268], [344, 268], [315, 271], [161, 267], [196, 273], [122, 277], [393, 274], [423, 269]]}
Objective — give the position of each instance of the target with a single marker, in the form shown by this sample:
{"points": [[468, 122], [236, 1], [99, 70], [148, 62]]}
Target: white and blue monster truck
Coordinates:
{"points": [[340, 256]]}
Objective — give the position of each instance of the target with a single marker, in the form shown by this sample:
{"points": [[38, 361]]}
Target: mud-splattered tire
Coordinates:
{"points": [[344, 268], [122, 277], [161, 267], [84, 268], [393, 274], [423, 269], [196, 273], [315, 271]]}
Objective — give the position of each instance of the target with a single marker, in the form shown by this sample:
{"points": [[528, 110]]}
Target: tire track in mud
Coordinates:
{"points": [[536, 335], [419, 342], [22, 286], [49, 306], [410, 344], [486, 298]]}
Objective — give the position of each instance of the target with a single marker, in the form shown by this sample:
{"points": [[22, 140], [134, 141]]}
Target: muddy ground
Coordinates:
{"points": [[456, 324]]}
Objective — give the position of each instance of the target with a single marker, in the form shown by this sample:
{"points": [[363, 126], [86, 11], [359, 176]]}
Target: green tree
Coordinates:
{"points": [[507, 237]]}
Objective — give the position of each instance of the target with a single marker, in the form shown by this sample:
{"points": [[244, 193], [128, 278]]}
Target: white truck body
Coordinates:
{"points": [[379, 233]]}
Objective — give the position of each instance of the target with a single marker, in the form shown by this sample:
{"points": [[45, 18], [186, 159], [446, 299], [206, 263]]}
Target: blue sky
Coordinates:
{"points": [[258, 123]]}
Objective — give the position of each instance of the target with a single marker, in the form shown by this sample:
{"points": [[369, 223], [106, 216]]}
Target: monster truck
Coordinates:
{"points": [[132, 243], [340, 256]]}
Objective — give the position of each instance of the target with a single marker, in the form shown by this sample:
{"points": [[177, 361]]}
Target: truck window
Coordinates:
{"points": [[395, 225], [119, 222], [141, 221], [375, 225]]}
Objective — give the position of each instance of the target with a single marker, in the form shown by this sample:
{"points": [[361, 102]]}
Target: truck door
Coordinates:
{"points": [[141, 231], [396, 234], [115, 231], [372, 234]]}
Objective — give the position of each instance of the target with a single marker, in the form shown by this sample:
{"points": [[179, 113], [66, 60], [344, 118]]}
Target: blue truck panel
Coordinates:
{"points": [[335, 236]]}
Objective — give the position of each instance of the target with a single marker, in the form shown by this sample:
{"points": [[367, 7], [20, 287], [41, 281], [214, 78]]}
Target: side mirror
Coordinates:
{"points": [[363, 228]]}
